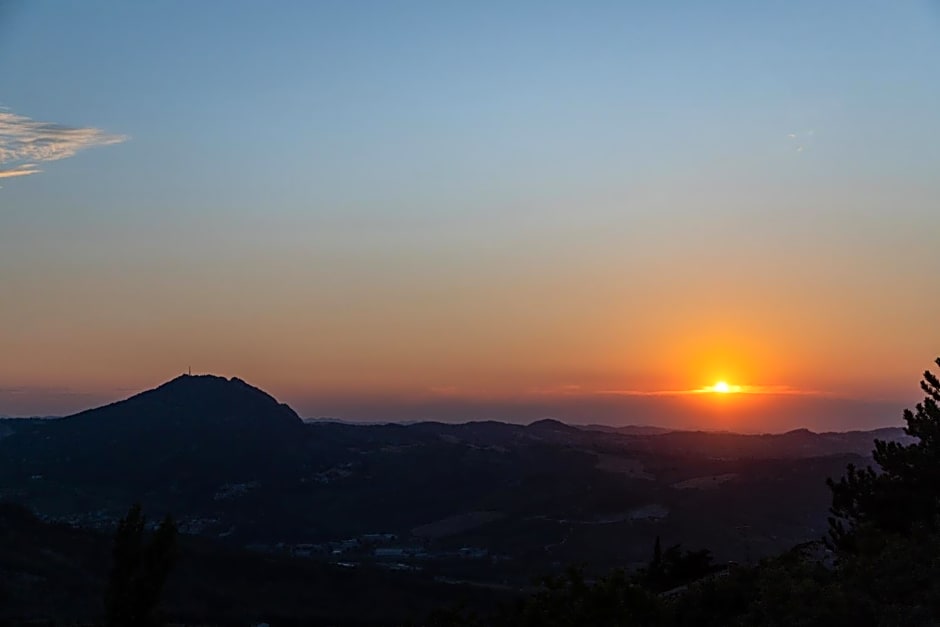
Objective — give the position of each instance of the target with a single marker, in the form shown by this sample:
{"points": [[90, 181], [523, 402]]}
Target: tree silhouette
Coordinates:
{"points": [[570, 600], [674, 567], [654, 572], [904, 495], [139, 570]]}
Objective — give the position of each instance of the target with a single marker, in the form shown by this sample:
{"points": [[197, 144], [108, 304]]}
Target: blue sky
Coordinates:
{"points": [[390, 177], [382, 95]]}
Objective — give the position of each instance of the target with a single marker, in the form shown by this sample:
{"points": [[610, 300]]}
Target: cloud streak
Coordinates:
{"points": [[771, 390], [21, 170], [25, 143], [576, 391]]}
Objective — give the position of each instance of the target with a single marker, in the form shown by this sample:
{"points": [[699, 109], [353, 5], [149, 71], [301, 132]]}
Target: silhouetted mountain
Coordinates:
{"points": [[194, 430], [196, 401]]}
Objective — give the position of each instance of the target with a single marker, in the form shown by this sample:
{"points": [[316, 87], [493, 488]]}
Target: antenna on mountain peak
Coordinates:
{"points": [[190, 371]]}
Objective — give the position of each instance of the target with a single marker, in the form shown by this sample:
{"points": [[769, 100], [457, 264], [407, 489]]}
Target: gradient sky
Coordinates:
{"points": [[474, 210]]}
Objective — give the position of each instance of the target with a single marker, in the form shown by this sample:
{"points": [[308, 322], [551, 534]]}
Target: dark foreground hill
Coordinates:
{"points": [[58, 573], [487, 502]]}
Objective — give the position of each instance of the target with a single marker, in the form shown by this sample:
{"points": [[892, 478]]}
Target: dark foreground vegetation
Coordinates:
{"points": [[54, 574]]}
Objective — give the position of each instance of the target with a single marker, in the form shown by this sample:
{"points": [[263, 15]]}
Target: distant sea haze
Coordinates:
{"points": [[737, 413], [743, 415]]}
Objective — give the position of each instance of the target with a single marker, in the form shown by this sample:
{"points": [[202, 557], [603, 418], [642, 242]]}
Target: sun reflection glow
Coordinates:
{"points": [[723, 387]]}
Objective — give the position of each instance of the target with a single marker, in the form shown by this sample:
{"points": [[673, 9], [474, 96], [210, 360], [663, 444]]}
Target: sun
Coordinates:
{"points": [[722, 387]]}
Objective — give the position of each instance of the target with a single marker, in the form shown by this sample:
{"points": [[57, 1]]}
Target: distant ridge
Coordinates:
{"points": [[551, 424], [627, 429]]}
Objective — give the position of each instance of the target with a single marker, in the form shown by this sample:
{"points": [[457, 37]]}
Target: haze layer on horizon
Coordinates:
{"points": [[750, 413], [412, 210]]}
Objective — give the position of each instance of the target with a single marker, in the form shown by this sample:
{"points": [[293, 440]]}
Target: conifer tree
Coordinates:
{"points": [[904, 494]]}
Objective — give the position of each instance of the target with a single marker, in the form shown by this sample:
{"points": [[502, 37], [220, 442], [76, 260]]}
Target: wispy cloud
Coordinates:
{"points": [[802, 140], [557, 390], [581, 392], [19, 170], [771, 390], [25, 143]]}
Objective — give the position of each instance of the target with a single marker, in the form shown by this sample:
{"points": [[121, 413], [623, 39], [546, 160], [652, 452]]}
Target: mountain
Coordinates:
{"points": [[206, 398], [187, 437]]}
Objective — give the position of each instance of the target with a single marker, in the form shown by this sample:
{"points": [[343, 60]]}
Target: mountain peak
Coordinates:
{"points": [[210, 383], [800, 432], [199, 399]]}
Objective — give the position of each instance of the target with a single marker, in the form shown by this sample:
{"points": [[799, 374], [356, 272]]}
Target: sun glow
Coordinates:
{"points": [[723, 387]]}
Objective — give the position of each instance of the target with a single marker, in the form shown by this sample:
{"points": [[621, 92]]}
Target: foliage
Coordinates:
{"points": [[140, 569], [672, 568], [569, 600], [904, 495]]}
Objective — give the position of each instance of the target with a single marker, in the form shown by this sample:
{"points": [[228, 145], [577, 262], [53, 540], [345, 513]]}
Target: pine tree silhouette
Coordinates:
{"points": [[139, 570], [905, 494]]}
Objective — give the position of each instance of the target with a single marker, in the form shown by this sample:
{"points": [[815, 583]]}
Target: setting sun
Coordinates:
{"points": [[722, 387]]}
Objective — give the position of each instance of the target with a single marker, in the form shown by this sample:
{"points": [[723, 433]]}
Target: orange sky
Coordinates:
{"points": [[426, 325], [837, 308]]}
